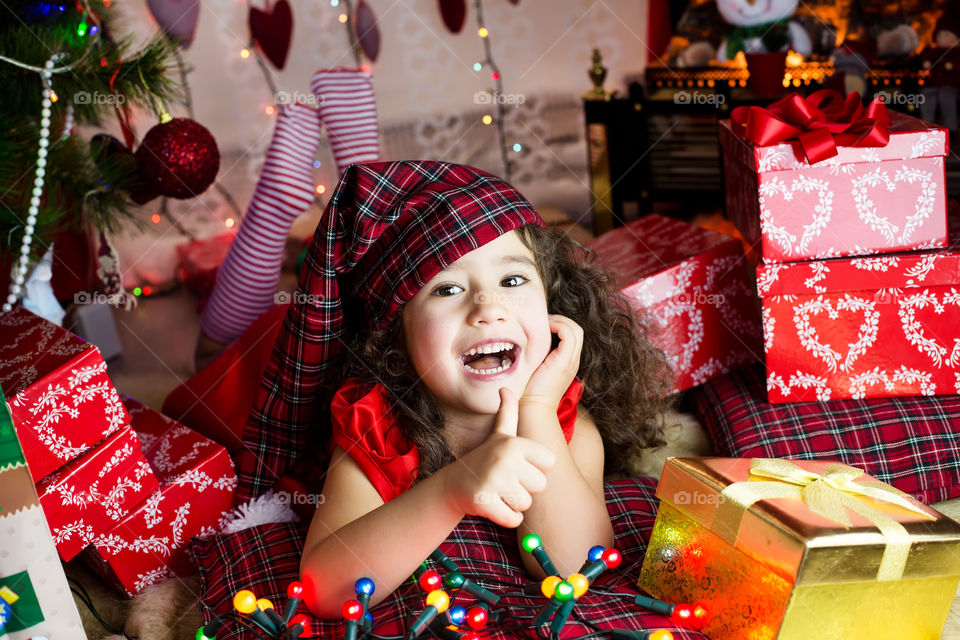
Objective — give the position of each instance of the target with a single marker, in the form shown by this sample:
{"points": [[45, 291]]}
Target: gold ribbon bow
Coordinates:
{"points": [[828, 494]]}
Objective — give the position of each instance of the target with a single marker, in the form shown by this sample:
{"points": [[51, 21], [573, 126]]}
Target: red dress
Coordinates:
{"points": [[364, 426]]}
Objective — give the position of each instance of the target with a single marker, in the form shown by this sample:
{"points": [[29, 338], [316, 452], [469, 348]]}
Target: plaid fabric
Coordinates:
{"points": [[387, 230], [267, 558], [910, 443]]}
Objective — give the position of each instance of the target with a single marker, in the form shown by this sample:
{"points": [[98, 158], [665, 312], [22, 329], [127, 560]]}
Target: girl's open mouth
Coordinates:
{"points": [[490, 359]]}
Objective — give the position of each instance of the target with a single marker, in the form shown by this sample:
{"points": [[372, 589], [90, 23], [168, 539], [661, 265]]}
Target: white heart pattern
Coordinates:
{"points": [[913, 328], [810, 339], [822, 212], [867, 210]]}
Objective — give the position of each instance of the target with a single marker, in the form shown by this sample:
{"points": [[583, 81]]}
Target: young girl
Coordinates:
{"points": [[483, 366]]}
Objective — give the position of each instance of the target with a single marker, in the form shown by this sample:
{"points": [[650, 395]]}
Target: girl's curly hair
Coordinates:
{"points": [[625, 378]]}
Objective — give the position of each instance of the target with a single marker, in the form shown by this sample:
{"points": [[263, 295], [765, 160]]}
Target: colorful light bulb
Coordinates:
{"points": [[530, 542], [563, 592], [453, 580], [580, 584], [477, 617], [352, 610], [244, 601], [549, 586], [263, 604], [682, 614], [438, 599], [661, 634], [294, 596], [298, 625], [457, 614], [430, 581], [612, 558]]}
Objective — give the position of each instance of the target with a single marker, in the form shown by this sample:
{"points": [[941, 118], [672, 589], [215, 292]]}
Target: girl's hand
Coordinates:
{"points": [[554, 375], [496, 479]]}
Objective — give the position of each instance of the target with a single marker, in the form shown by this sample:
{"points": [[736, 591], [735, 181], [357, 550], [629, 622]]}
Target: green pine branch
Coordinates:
{"points": [[80, 189]]}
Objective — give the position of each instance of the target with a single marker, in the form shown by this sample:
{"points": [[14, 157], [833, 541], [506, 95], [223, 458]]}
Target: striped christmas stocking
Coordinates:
{"points": [[246, 283], [349, 112]]}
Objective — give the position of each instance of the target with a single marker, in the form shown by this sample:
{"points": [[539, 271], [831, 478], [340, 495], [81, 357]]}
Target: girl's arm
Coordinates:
{"points": [[570, 516], [354, 534]]}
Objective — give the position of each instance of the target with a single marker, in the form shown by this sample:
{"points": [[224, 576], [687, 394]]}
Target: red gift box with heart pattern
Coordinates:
{"points": [[57, 390], [196, 492], [862, 327], [862, 201], [691, 288], [91, 494]]}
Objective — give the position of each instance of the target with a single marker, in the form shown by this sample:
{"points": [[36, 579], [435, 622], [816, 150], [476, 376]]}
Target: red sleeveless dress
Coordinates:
{"points": [[365, 428]]}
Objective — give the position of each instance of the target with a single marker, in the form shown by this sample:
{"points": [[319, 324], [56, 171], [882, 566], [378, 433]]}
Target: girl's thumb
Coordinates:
{"points": [[508, 414]]}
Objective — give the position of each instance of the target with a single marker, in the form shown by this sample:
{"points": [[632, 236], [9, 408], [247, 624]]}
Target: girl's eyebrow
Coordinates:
{"points": [[512, 259]]}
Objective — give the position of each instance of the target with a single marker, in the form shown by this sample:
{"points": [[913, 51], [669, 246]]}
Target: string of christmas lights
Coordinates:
{"points": [[441, 617]]}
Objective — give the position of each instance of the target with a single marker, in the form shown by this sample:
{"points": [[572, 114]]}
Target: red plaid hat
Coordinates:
{"points": [[388, 229]]}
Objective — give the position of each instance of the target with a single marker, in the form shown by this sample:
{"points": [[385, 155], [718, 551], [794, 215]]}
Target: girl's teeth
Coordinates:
{"points": [[489, 372]]}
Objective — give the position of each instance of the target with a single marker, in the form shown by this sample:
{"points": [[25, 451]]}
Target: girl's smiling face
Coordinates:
{"points": [[490, 299]]}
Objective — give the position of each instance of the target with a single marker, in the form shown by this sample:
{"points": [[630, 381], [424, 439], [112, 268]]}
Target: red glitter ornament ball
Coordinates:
{"points": [[178, 159]]}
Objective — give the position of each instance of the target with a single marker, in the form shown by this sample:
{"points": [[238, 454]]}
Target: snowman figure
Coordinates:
{"points": [[761, 26]]}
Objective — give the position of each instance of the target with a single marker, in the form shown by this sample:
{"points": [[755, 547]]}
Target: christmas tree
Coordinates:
{"points": [[60, 66]]}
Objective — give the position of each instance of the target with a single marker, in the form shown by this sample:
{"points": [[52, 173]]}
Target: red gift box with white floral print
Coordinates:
{"points": [[862, 201], [691, 288], [89, 495], [197, 485], [57, 390], [862, 327]]}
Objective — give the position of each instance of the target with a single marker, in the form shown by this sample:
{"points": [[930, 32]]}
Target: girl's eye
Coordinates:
{"points": [[515, 276], [440, 291]]}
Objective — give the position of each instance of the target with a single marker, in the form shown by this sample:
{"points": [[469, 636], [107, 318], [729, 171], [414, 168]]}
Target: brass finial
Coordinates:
{"points": [[598, 73]]}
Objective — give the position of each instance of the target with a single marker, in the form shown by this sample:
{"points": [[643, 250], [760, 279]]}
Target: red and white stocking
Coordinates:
{"points": [[246, 283], [349, 112]]}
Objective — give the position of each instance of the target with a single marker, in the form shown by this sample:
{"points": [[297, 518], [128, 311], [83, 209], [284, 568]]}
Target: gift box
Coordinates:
{"points": [[35, 598], [197, 485], [59, 395], [799, 550], [795, 192], [91, 494], [690, 287], [862, 327]]}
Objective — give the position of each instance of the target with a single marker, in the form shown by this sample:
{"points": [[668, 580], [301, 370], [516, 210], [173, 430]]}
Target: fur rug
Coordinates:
{"points": [[168, 611]]}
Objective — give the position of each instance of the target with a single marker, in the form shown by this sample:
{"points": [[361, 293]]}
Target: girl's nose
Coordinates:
{"points": [[487, 309]]}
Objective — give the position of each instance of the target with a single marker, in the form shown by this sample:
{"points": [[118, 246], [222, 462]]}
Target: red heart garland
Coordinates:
{"points": [[272, 31], [454, 13], [368, 34]]}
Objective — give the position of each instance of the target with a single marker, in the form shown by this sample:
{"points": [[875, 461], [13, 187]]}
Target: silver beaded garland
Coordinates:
{"points": [[20, 271]]}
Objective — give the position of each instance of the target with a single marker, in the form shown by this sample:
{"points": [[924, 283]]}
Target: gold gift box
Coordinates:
{"points": [[800, 550]]}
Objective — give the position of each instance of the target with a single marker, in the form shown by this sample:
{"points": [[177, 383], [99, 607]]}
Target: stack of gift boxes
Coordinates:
{"points": [[859, 294], [114, 477]]}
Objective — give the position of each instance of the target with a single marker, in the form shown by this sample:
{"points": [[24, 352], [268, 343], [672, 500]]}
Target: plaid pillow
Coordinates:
{"points": [[265, 559], [910, 442]]}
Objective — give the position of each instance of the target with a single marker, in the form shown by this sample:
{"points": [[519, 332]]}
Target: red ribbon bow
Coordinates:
{"points": [[819, 122]]}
